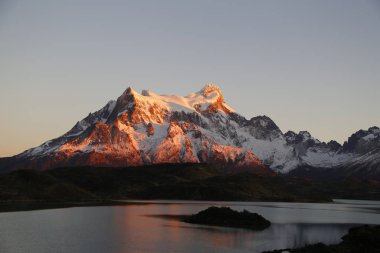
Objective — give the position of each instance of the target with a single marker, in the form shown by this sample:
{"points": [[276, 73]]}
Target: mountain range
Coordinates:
{"points": [[146, 128]]}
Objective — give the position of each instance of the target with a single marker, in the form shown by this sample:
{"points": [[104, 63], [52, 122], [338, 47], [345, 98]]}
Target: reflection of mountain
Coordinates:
{"points": [[146, 128], [304, 234], [299, 235]]}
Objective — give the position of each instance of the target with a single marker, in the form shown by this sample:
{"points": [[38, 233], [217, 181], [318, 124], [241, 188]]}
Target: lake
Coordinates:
{"points": [[138, 227]]}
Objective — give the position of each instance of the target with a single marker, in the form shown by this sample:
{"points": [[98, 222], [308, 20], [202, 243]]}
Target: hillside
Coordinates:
{"points": [[172, 181]]}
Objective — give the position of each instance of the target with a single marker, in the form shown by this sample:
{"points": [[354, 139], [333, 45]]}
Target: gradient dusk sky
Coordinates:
{"points": [[309, 65]]}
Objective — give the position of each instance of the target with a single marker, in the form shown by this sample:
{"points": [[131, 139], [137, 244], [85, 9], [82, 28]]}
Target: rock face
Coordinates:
{"points": [[150, 129], [226, 217], [147, 128]]}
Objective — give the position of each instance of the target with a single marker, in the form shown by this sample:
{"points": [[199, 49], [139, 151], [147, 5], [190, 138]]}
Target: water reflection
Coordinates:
{"points": [[297, 235], [142, 228], [278, 236]]}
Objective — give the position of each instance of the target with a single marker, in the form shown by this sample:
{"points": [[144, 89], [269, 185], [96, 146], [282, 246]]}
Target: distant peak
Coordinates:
{"points": [[290, 134], [125, 101], [210, 88], [146, 92], [129, 90], [374, 129], [305, 135]]}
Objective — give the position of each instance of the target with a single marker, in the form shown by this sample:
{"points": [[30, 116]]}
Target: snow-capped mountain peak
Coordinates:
{"points": [[210, 89], [148, 128], [208, 99]]}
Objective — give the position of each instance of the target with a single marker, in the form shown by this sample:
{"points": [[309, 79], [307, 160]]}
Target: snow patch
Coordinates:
{"points": [[369, 137]]}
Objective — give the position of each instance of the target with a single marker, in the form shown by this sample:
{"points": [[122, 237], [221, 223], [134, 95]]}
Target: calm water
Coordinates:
{"points": [[135, 228]]}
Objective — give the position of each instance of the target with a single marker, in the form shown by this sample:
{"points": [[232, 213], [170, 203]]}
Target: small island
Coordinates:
{"points": [[226, 217]]}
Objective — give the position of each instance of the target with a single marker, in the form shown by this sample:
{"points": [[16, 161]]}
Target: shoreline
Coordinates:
{"points": [[34, 205]]}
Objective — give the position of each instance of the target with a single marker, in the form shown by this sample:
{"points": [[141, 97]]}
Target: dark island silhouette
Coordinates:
{"points": [[226, 217]]}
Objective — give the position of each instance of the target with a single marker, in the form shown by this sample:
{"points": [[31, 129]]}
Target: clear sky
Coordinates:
{"points": [[309, 65]]}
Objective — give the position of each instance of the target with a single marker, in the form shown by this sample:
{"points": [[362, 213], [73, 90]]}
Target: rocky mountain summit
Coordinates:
{"points": [[147, 128], [358, 157]]}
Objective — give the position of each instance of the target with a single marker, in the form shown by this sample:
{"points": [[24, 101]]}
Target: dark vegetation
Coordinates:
{"points": [[364, 239], [173, 181], [226, 217]]}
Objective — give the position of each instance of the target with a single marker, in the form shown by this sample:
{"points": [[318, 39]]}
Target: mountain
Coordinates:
{"points": [[358, 157], [147, 128], [140, 129]]}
